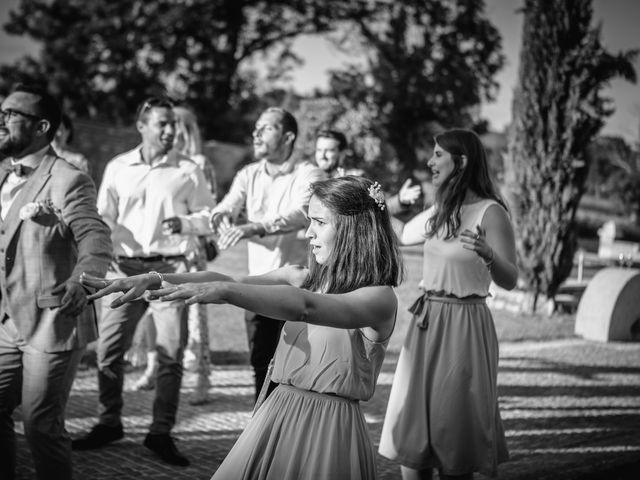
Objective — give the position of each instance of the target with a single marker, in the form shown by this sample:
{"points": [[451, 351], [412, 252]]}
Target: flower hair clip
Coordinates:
{"points": [[375, 192]]}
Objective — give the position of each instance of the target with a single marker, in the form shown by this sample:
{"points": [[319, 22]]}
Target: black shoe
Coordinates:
{"points": [[163, 446], [99, 436]]}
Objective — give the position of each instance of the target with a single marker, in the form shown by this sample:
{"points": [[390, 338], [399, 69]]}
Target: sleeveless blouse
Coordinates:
{"points": [[450, 269], [328, 360]]}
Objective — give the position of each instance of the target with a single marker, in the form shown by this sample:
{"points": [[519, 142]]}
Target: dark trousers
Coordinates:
{"points": [[263, 334], [41, 383], [117, 327]]}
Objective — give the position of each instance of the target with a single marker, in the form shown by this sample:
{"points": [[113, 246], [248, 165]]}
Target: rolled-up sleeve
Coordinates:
{"points": [[200, 204], [108, 197], [295, 217], [235, 199]]}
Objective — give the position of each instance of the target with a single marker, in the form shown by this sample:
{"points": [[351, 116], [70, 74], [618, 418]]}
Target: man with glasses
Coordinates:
{"points": [[274, 193], [50, 233], [156, 202]]}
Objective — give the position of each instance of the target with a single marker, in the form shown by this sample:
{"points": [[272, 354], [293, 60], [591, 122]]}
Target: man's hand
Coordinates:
{"points": [[133, 287], [74, 300], [220, 222], [171, 225], [409, 194], [232, 235]]}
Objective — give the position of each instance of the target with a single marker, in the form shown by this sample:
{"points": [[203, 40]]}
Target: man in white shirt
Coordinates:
{"points": [[156, 202], [274, 191]]}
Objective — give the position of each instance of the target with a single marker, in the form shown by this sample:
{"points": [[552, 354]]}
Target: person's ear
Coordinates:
{"points": [[139, 126], [289, 137], [43, 127]]}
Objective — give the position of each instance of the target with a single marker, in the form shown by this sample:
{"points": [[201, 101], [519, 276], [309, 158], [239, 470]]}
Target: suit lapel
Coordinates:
{"points": [[29, 191], [4, 170]]}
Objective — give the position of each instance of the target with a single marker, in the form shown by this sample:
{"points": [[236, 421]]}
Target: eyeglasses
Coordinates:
{"points": [[9, 113], [154, 102]]}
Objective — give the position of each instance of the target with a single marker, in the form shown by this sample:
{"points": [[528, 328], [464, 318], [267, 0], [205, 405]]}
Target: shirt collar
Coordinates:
{"points": [[283, 169], [33, 159], [136, 158]]}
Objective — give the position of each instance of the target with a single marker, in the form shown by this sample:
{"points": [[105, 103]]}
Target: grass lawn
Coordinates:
{"points": [[228, 337]]}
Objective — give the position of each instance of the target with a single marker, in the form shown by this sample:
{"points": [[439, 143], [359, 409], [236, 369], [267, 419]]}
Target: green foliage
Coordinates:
{"points": [[428, 64], [615, 174], [425, 64], [104, 56], [557, 111], [366, 150]]}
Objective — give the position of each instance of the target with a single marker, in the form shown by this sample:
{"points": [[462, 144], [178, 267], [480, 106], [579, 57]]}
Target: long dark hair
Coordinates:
{"points": [[474, 176], [366, 251]]}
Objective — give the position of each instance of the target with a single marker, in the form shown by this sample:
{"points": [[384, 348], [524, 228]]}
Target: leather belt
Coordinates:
{"points": [[150, 258]]}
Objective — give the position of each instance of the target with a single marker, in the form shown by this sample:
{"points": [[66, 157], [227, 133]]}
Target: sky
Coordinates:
{"points": [[620, 31]]}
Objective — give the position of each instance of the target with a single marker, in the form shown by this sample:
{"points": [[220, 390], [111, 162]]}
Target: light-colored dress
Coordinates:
{"points": [[311, 426], [443, 406]]}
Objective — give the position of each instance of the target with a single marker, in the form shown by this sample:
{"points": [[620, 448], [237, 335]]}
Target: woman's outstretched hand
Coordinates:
{"points": [[132, 287], [210, 292]]}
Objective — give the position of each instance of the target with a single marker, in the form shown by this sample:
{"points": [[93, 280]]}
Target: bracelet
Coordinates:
{"points": [[160, 276], [490, 261]]}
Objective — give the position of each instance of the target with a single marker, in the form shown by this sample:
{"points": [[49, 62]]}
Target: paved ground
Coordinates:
{"points": [[571, 410]]}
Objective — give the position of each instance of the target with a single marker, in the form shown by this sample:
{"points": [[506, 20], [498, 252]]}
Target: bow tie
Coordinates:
{"points": [[20, 170]]}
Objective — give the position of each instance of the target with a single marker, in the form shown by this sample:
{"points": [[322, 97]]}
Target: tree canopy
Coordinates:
{"points": [[416, 64], [428, 66], [104, 56]]}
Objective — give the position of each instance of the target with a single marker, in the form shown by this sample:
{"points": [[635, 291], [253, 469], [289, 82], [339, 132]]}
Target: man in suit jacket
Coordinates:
{"points": [[50, 232]]}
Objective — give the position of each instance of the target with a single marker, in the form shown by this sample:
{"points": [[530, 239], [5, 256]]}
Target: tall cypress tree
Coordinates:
{"points": [[557, 111]]}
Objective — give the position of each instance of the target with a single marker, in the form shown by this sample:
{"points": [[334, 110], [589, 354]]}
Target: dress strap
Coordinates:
{"points": [[486, 204], [265, 388]]}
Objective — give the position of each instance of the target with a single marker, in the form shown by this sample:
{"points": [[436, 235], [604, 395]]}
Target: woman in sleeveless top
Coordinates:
{"points": [[443, 406], [339, 313]]}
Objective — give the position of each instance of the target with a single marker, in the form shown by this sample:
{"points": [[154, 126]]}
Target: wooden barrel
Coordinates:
{"points": [[609, 309]]}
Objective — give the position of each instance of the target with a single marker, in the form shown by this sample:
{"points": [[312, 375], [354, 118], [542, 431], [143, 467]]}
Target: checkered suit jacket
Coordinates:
{"points": [[40, 253]]}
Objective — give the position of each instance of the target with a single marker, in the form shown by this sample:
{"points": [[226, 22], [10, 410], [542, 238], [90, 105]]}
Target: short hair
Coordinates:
{"points": [[65, 121], [366, 250], [335, 135], [289, 123], [153, 102], [48, 107]]}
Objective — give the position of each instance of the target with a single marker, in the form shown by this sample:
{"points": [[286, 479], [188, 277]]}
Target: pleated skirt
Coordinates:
{"points": [[443, 406], [298, 434]]}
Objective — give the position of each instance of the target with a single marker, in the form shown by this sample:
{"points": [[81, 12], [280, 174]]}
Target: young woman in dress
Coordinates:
{"points": [[443, 406], [339, 313]]}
